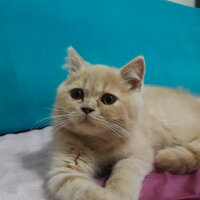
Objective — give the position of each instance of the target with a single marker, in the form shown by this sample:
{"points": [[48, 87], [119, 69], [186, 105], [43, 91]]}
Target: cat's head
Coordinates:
{"points": [[99, 100]]}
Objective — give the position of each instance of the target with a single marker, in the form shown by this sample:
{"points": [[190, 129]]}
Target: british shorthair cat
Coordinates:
{"points": [[105, 115]]}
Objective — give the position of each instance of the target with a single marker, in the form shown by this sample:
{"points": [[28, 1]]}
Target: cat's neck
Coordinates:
{"points": [[106, 143], [102, 145]]}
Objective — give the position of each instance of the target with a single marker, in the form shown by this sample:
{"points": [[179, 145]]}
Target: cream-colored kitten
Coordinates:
{"points": [[105, 115]]}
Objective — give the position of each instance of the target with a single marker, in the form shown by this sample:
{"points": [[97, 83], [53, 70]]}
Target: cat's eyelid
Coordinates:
{"points": [[76, 88], [108, 93]]}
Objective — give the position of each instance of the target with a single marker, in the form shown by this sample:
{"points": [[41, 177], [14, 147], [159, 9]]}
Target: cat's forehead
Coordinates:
{"points": [[97, 79]]}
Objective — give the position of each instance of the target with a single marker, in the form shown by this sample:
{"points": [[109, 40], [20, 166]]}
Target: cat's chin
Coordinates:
{"points": [[86, 120]]}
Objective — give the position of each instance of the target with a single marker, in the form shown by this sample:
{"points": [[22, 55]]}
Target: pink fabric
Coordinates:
{"points": [[166, 186]]}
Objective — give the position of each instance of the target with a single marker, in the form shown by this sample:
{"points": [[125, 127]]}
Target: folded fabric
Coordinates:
{"points": [[166, 186]]}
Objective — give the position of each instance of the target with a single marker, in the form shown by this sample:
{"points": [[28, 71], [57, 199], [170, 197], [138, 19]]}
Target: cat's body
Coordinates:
{"points": [[170, 116], [130, 129]]}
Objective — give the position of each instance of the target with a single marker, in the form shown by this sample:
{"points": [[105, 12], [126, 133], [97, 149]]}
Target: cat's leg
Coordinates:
{"points": [[128, 174], [180, 159], [70, 179]]}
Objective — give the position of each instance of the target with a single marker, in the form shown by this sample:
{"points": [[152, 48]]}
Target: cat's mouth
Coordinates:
{"points": [[87, 120]]}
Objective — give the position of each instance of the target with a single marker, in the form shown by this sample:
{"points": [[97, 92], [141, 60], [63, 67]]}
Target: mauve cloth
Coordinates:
{"points": [[166, 186], [24, 162]]}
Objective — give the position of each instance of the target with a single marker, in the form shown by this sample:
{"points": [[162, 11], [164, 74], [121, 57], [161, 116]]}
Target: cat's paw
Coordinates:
{"points": [[176, 160], [107, 195], [96, 194]]}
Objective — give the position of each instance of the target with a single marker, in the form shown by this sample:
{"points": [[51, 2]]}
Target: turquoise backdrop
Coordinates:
{"points": [[34, 35]]}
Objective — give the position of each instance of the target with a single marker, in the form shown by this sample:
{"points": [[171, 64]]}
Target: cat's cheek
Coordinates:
{"points": [[114, 113]]}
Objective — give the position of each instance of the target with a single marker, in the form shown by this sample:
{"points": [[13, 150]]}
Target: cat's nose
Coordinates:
{"points": [[87, 110]]}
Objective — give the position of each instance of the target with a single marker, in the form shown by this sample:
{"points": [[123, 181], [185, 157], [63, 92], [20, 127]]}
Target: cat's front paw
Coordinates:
{"points": [[100, 194], [105, 195], [95, 193]]}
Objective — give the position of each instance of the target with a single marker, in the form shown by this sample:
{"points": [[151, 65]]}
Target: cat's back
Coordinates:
{"points": [[171, 112], [168, 98]]}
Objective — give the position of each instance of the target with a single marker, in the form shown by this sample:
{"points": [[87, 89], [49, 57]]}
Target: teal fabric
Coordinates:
{"points": [[34, 35]]}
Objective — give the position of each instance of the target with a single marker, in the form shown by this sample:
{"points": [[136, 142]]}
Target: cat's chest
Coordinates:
{"points": [[106, 159], [113, 153], [111, 148]]}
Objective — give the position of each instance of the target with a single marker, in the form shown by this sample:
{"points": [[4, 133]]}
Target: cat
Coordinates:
{"points": [[105, 115]]}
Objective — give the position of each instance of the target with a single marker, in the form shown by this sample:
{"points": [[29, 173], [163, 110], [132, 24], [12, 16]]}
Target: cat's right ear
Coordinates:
{"points": [[133, 72], [73, 59]]}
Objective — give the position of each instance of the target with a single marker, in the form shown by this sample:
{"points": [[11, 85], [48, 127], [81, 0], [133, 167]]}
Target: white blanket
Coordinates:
{"points": [[23, 163]]}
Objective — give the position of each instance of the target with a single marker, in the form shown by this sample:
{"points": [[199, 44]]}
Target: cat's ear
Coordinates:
{"points": [[75, 62], [133, 72]]}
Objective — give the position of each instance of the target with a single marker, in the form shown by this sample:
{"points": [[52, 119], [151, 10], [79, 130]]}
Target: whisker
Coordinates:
{"points": [[38, 122], [105, 123], [63, 120], [59, 106], [116, 123], [65, 115], [61, 125], [60, 110], [118, 127], [63, 108], [115, 131], [59, 121]]}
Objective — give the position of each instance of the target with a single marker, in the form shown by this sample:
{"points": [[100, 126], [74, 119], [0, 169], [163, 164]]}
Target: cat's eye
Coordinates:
{"points": [[77, 93], [108, 99]]}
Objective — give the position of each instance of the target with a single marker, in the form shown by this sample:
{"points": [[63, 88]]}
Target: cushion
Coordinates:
{"points": [[34, 36]]}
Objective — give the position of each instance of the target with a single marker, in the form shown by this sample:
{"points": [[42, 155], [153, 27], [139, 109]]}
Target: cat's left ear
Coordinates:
{"points": [[133, 72], [74, 60]]}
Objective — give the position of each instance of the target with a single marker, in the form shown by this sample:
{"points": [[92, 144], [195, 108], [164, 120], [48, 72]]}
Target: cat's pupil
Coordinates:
{"points": [[108, 99], [77, 94]]}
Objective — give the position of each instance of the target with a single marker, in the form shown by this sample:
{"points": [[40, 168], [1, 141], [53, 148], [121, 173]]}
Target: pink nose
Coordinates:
{"points": [[87, 110]]}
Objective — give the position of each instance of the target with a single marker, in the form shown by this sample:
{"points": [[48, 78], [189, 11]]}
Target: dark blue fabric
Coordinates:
{"points": [[34, 35]]}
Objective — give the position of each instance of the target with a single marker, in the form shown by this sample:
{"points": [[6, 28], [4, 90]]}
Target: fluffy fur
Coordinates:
{"points": [[145, 124]]}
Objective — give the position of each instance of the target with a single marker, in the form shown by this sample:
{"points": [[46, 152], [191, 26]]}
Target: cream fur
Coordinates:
{"points": [[146, 123]]}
